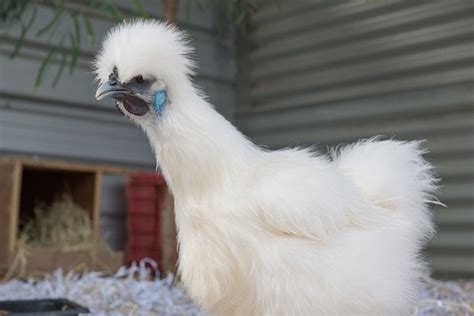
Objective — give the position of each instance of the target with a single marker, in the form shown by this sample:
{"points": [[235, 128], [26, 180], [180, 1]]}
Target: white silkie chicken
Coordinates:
{"points": [[287, 232]]}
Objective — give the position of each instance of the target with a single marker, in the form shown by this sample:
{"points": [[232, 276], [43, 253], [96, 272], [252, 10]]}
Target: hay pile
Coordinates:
{"points": [[63, 224]]}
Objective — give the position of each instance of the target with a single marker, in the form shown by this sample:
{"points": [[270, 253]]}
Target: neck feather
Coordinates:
{"points": [[197, 149]]}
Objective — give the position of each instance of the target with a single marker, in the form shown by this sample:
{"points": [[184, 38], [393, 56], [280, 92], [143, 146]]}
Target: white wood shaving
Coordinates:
{"points": [[129, 292], [132, 291]]}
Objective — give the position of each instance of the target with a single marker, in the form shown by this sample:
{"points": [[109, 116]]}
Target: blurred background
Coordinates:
{"points": [[286, 73]]}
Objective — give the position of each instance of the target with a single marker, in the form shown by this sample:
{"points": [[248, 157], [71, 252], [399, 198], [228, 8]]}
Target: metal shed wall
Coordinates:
{"points": [[67, 122], [331, 72]]}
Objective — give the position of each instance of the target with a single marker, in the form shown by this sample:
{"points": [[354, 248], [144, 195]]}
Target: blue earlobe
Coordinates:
{"points": [[160, 99]]}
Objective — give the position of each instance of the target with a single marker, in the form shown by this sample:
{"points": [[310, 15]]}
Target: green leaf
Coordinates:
{"points": [[24, 30], [12, 10], [75, 40], [51, 23], [116, 13], [104, 7], [75, 52], [77, 28], [63, 62], [140, 9], [32, 19], [240, 18], [43, 66], [18, 44], [61, 69], [89, 30]]}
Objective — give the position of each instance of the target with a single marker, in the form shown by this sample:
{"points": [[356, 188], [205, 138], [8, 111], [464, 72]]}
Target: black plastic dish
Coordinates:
{"points": [[47, 307]]}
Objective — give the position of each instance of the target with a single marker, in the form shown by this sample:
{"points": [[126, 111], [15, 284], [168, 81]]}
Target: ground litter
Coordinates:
{"points": [[133, 291]]}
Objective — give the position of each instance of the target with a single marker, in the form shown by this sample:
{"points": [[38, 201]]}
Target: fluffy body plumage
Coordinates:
{"points": [[287, 232]]}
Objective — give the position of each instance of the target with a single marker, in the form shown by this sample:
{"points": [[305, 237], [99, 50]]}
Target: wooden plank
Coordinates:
{"points": [[168, 235], [39, 163], [40, 261], [14, 207], [97, 202], [9, 186]]}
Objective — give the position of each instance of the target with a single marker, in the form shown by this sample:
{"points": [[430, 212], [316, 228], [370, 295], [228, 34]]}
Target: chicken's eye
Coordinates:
{"points": [[139, 79]]}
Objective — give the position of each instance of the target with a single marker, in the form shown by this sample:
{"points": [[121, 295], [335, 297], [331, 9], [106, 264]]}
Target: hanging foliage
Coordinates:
{"points": [[71, 22], [63, 32], [11, 10]]}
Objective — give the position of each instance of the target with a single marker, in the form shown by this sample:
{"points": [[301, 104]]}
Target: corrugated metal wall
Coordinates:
{"points": [[67, 122], [330, 72]]}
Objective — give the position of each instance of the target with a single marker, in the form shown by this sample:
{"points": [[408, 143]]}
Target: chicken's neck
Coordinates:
{"points": [[197, 149]]}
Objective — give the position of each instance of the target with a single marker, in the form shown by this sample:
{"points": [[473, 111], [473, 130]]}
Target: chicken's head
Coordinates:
{"points": [[143, 65]]}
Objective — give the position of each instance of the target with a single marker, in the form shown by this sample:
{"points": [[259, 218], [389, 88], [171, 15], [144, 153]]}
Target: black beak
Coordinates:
{"points": [[111, 88], [123, 95]]}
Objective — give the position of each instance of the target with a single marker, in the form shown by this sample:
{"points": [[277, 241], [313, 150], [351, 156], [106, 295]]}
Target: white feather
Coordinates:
{"points": [[288, 232]]}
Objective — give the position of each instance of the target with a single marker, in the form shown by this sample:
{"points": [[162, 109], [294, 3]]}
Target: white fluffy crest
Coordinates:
{"points": [[287, 232], [158, 47]]}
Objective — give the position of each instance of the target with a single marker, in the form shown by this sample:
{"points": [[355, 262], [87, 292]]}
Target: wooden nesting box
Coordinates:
{"points": [[23, 182]]}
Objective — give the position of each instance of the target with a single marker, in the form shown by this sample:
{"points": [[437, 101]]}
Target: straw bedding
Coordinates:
{"points": [[62, 224]]}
